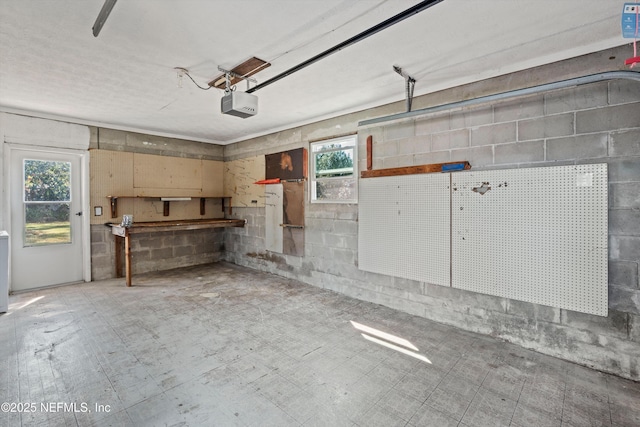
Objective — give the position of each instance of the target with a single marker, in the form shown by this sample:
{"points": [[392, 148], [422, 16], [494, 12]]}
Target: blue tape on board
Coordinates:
{"points": [[453, 167]]}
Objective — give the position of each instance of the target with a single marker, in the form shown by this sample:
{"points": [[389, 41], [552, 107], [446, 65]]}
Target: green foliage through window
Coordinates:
{"points": [[47, 181], [47, 191], [334, 163], [334, 168]]}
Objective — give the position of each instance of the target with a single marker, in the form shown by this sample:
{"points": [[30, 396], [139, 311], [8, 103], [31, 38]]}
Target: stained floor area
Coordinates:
{"points": [[228, 346]]}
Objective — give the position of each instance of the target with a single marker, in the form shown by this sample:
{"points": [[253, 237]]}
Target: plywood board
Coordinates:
{"points": [[273, 217], [293, 218], [404, 227], [152, 209], [537, 235], [212, 177], [111, 173], [153, 173], [239, 178]]}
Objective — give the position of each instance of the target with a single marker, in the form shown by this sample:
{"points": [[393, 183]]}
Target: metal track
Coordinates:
{"points": [[592, 78], [355, 39]]}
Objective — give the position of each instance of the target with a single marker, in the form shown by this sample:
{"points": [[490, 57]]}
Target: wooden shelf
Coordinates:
{"points": [[114, 202], [412, 170], [186, 224]]}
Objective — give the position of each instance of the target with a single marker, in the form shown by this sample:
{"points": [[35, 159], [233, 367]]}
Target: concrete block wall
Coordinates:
{"points": [[119, 140], [155, 251], [593, 123]]}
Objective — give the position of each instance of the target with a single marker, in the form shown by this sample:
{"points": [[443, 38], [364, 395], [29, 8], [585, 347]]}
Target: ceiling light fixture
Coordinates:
{"points": [[180, 75]]}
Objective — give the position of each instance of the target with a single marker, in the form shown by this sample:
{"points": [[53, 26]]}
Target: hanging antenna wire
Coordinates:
{"points": [[186, 73]]}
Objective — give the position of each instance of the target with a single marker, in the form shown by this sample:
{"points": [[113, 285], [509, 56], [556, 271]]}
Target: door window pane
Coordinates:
{"points": [[47, 202], [47, 224], [47, 181]]}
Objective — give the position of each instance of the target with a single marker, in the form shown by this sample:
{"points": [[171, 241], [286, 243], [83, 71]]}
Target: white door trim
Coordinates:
{"points": [[84, 190]]}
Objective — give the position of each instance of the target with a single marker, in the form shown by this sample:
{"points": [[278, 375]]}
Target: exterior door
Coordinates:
{"points": [[46, 222]]}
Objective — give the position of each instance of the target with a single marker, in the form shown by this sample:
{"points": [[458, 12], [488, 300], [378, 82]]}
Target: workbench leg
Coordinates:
{"points": [[127, 258], [118, 255]]}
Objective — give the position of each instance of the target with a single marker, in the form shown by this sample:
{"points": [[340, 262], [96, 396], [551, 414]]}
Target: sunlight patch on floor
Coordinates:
{"points": [[390, 341]]}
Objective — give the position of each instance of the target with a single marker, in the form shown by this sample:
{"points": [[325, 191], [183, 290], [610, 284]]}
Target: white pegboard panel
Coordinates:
{"points": [[537, 235], [273, 213], [404, 225]]}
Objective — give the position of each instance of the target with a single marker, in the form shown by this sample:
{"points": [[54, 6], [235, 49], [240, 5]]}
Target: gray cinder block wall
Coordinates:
{"points": [[154, 251], [593, 123]]}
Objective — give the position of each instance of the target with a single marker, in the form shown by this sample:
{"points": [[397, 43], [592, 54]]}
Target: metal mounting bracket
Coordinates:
{"points": [[228, 74], [410, 83]]}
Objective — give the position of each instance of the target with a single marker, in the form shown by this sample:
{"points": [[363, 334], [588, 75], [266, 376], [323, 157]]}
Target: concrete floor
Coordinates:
{"points": [[224, 345]]}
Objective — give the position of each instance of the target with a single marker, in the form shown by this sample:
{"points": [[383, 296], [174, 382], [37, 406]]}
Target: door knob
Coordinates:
{"points": [[79, 213]]}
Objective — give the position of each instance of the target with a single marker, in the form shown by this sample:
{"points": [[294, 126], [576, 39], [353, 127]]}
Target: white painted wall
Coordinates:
{"points": [[30, 131]]}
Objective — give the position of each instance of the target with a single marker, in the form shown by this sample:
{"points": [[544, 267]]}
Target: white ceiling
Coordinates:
{"points": [[52, 66]]}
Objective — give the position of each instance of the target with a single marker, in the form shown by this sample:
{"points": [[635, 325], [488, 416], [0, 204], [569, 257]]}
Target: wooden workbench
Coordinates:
{"points": [[124, 234]]}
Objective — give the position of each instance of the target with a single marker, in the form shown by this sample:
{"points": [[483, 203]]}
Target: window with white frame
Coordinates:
{"points": [[334, 170]]}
